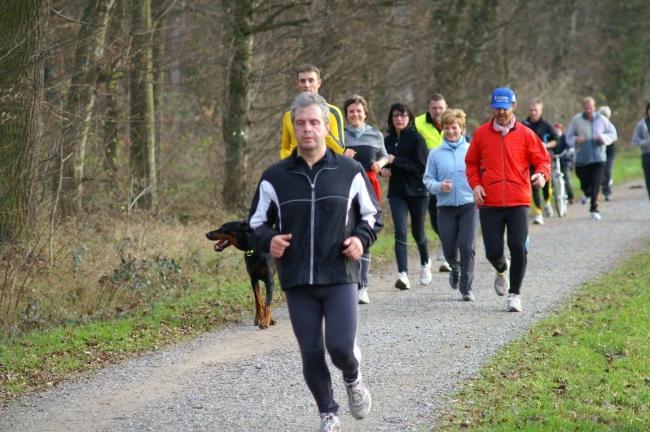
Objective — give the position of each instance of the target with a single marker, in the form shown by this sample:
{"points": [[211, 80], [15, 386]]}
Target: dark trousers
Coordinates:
{"points": [[545, 191], [400, 208], [645, 163], [458, 226], [607, 174], [590, 176], [513, 221], [336, 305], [433, 213]]}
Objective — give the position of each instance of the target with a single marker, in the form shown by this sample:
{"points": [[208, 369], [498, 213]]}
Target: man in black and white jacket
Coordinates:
{"points": [[316, 213]]}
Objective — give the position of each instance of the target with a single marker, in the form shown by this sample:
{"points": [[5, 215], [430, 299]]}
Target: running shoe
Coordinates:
{"points": [[425, 274], [402, 281], [514, 303], [595, 216], [548, 210], [359, 399], [444, 266], [538, 219], [362, 295], [501, 281], [329, 422], [468, 297]]}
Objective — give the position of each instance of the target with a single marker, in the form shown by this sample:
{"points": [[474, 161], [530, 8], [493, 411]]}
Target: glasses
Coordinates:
{"points": [[400, 115]]}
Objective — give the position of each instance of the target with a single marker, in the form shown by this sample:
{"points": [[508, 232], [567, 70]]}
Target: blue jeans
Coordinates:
{"points": [[400, 208]]}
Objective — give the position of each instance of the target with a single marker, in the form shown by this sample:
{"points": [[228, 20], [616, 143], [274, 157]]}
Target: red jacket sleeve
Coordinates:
{"points": [[473, 162]]}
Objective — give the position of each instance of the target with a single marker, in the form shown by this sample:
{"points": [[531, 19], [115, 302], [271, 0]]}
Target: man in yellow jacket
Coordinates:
{"points": [[308, 80], [429, 125]]}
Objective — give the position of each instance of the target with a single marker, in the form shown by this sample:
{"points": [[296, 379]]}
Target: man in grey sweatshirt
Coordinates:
{"points": [[590, 132]]}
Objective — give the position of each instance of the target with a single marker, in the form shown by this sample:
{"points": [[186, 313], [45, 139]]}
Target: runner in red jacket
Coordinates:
{"points": [[498, 161]]}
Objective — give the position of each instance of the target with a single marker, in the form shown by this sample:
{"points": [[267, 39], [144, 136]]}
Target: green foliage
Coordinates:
{"points": [[585, 368]]}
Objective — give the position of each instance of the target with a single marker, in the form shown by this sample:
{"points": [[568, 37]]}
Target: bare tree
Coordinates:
{"points": [[81, 100], [22, 32], [143, 136]]}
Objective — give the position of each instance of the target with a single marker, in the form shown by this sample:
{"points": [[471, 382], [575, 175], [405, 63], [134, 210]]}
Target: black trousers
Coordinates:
{"points": [[590, 176], [645, 163], [513, 221]]}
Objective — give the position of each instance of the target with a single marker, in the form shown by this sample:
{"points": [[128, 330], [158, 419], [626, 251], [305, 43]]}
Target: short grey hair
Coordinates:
{"points": [[605, 110], [305, 99]]}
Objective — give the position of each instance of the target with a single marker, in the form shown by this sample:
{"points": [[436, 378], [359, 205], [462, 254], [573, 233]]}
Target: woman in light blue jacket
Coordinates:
{"points": [[457, 214]]}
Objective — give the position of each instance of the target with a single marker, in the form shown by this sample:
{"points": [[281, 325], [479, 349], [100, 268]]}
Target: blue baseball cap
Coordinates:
{"points": [[503, 97]]}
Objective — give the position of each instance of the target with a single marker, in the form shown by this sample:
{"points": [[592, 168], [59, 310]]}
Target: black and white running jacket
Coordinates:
{"points": [[320, 206]]}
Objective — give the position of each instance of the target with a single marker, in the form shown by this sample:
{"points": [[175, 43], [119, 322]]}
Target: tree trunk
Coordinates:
{"points": [[236, 122], [142, 130], [81, 100], [23, 26]]}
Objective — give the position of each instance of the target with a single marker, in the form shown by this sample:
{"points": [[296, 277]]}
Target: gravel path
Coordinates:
{"points": [[417, 346]]}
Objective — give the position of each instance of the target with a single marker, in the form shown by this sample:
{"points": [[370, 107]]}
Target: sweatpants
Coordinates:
{"points": [[513, 221], [335, 305], [400, 208], [590, 176], [607, 173], [458, 226]]}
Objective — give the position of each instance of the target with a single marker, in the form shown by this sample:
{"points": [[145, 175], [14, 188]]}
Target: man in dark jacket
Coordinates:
{"points": [[316, 213]]}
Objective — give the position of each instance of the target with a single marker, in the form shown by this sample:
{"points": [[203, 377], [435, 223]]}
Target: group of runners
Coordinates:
{"points": [[318, 212]]}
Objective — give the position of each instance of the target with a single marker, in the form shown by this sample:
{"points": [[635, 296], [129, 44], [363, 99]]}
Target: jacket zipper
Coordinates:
{"points": [[312, 228], [503, 170]]}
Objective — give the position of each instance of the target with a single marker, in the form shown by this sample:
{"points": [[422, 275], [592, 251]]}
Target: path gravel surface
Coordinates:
{"points": [[417, 346]]}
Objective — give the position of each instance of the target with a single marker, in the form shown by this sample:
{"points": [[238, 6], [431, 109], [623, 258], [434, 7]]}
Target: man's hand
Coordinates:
{"points": [[580, 139], [279, 244], [352, 248], [538, 180], [349, 152], [391, 158], [479, 195], [385, 172]]}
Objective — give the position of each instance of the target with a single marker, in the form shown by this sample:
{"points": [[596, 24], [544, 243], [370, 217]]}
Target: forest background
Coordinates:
{"points": [[128, 128]]}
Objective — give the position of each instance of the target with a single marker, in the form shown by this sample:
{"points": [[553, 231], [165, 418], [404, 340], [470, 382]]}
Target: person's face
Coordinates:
{"points": [[400, 120], [452, 131], [535, 111], [437, 109], [309, 127], [504, 116], [308, 82], [356, 115], [589, 107]]}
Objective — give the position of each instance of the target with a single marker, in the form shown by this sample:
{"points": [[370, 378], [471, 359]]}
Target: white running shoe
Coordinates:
{"points": [[329, 422], [362, 295], [513, 303], [402, 281], [538, 219], [502, 280], [444, 266], [548, 210], [359, 399], [425, 274], [468, 297], [595, 216]]}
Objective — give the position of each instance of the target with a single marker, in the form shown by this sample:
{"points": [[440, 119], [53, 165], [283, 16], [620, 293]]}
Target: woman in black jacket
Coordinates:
{"points": [[407, 159]]}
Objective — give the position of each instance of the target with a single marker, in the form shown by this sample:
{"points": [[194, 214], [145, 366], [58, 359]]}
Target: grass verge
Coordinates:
{"points": [[585, 368]]}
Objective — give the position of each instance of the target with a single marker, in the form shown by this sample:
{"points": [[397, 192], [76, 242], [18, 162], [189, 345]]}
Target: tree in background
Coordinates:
{"points": [[22, 32]]}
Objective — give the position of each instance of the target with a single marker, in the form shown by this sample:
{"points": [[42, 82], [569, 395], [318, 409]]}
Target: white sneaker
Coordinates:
{"points": [[425, 274], [402, 281], [444, 266], [359, 399], [548, 210], [468, 297], [513, 303], [595, 216], [502, 280], [362, 295], [538, 219], [329, 422]]}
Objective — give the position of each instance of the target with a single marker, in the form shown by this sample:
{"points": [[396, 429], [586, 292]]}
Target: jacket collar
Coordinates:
{"points": [[297, 162]]}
